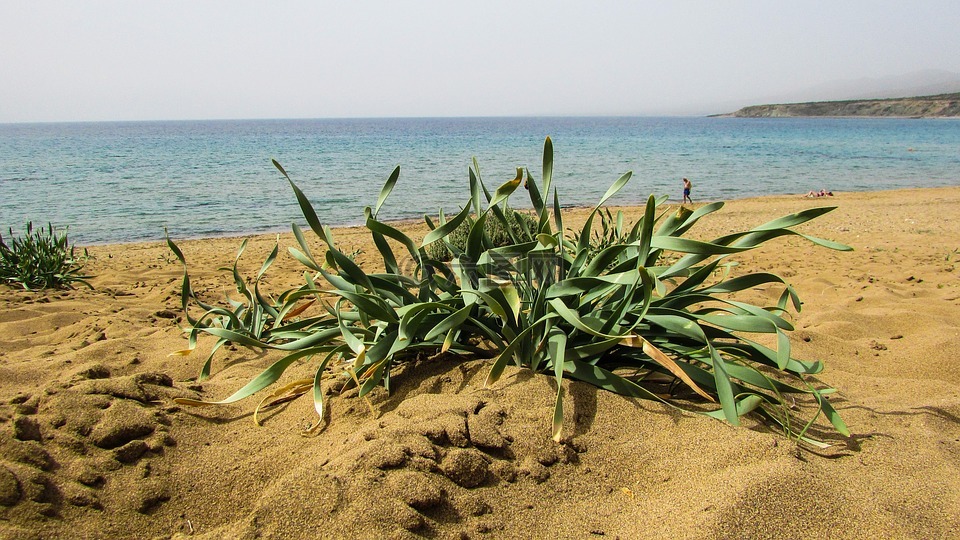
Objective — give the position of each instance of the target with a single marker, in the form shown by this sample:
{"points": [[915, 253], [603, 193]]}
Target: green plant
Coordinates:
{"points": [[41, 259], [520, 227], [252, 318], [613, 231], [635, 306]]}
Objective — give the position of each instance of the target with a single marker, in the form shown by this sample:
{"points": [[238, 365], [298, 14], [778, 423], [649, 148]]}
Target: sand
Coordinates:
{"points": [[92, 445]]}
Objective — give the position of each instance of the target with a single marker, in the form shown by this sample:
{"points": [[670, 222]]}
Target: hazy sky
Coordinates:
{"points": [[140, 60]]}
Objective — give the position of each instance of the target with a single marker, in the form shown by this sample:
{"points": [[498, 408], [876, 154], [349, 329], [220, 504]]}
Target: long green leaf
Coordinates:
{"points": [[261, 381], [547, 166], [451, 322], [685, 245], [305, 207], [446, 228], [386, 189], [615, 188], [724, 388]]}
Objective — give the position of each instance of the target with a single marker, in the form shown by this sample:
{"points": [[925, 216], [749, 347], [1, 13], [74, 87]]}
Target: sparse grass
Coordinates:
{"points": [[623, 310], [41, 259]]}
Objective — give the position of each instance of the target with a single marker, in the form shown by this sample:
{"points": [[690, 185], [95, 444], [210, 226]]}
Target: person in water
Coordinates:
{"points": [[687, 186]]}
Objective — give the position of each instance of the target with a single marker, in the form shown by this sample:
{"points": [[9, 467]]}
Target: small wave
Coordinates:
{"points": [[13, 179]]}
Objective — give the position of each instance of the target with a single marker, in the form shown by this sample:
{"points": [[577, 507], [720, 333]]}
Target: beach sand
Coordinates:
{"points": [[92, 445]]}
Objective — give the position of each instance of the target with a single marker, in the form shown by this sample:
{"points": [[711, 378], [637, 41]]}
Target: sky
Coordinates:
{"points": [[170, 60]]}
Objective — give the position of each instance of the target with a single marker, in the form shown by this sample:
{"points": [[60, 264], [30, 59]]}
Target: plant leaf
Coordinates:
{"points": [[386, 189]]}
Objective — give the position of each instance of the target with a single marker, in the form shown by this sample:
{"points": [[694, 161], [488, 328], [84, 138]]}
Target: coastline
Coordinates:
{"points": [[574, 210], [76, 366], [839, 116], [130, 184], [931, 106]]}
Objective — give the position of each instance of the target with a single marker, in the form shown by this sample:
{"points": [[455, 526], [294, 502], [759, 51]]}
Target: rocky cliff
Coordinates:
{"points": [[941, 105]]}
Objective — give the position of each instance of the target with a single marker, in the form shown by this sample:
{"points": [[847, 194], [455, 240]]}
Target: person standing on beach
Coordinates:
{"points": [[687, 186]]}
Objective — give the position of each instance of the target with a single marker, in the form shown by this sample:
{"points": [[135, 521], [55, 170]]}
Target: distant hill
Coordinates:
{"points": [[937, 106]]}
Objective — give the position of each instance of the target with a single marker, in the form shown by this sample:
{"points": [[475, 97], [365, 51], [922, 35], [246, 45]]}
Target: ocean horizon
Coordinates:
{"points": [[128, 181]]}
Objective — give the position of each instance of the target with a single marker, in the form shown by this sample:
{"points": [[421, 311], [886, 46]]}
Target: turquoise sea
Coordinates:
{"points": [[121, 182]]}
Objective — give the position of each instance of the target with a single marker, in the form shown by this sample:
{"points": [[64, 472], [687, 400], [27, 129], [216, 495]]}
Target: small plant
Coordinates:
{"points": [[41, 259], [623, 310], [613, 231], [520, 227], [252, 318]]}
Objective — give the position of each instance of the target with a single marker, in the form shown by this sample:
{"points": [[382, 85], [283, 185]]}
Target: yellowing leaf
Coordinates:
{"points": [[282, 395], [294, 312], [659, 357]]}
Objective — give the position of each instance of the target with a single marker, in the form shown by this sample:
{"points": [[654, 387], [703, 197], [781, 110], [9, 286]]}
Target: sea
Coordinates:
{"points": [[118, 182]]}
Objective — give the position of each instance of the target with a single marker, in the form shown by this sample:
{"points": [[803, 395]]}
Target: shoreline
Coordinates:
{"points": [[414, 222], [127, 184], [851, 117]]}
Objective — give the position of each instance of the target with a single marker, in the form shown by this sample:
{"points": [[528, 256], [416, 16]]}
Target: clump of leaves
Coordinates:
{"points": [[41, 259], [613, 230], [520, 227], [623, 312]]}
